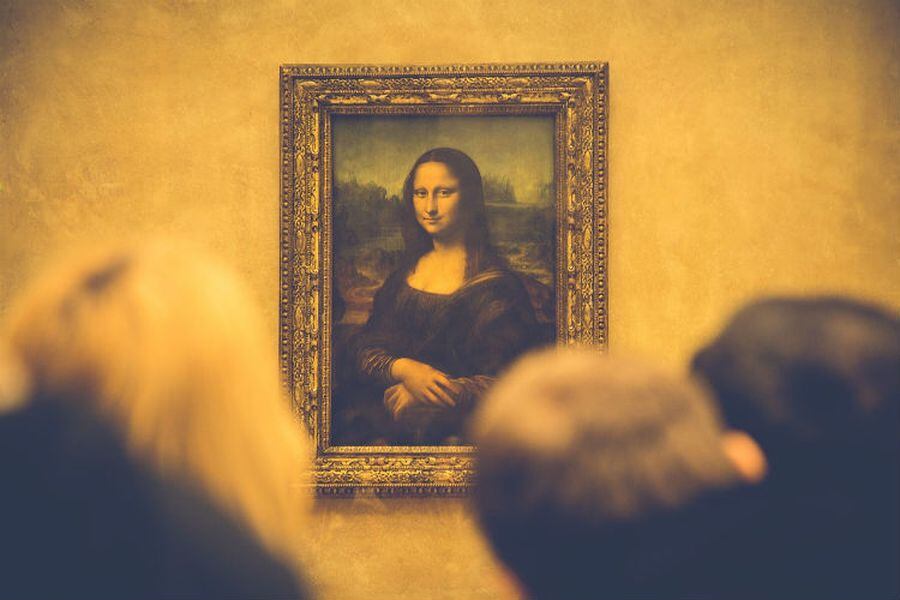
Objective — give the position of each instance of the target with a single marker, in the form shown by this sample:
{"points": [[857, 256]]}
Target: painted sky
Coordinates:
{"points": [[381, 149]]}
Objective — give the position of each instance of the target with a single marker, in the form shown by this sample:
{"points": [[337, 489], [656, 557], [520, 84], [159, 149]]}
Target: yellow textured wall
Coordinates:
{"points": [[754, 148]]}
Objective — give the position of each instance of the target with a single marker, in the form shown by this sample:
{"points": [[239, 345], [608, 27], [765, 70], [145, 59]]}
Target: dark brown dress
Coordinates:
{"points": [[471, 335]]}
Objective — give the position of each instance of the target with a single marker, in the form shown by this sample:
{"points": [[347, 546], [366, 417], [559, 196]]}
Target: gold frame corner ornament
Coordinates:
{"points": [[576, 94]]}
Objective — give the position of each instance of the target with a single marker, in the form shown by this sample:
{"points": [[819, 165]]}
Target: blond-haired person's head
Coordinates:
{"points": [[166, 342]]}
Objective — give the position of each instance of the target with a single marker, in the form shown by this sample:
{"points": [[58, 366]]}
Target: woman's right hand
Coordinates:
{"points": [[425, 383]]}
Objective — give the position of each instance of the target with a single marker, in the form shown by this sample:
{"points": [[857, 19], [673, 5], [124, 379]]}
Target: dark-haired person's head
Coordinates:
{"points": [[816, 382], [461, 177], [592, 473], [813, 380]]}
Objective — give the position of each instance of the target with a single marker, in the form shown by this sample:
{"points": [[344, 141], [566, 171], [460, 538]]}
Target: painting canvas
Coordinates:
{"points": [[468, 329], [437, 222]]}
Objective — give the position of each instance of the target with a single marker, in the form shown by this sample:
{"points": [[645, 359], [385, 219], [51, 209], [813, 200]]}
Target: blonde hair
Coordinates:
{"points": [[167, 343]]}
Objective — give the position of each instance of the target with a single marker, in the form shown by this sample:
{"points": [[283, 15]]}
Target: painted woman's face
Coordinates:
{"points": [[436, 199]]}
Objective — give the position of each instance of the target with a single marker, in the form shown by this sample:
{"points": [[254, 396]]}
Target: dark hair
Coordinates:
{"points": [[816, 381], [480, 254], [805, 376]]}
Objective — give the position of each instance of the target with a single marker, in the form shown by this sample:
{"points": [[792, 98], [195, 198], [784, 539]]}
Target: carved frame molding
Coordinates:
{"points": [[576, 94]]}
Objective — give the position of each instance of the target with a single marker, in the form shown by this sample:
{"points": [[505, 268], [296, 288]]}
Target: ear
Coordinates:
{"points": [[510, 586], [15, 383], [746, 455]]}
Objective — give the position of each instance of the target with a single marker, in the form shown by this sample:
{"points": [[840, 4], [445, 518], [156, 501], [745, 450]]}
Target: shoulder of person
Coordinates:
{"points": [[108, 524], [494, 282], [208, 554], [398, 276], [392, 283]]}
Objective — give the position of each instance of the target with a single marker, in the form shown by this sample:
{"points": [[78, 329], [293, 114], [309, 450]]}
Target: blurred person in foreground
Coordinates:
{"points": [[816, 383], [604, 478], [157, 351]]}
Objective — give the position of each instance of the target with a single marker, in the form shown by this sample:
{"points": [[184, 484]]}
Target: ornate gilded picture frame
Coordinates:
{"points": [[436, 222]]}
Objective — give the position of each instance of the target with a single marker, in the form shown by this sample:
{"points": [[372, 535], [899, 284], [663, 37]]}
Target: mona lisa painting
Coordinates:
{"points": [[437, 224]]}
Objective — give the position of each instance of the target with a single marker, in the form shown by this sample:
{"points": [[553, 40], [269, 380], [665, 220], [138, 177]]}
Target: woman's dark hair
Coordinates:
{"points": [[480, 254]]}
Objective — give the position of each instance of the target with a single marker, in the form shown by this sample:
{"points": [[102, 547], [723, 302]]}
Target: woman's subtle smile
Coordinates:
{"points": [[436, 199]]}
